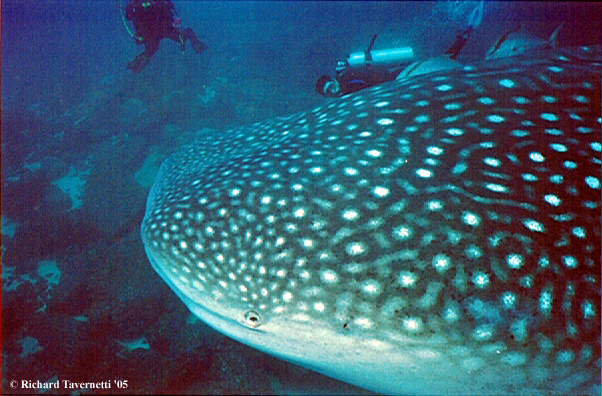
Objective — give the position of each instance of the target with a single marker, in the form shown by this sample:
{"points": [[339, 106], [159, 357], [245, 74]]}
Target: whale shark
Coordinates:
{"points": [[434, 235]]}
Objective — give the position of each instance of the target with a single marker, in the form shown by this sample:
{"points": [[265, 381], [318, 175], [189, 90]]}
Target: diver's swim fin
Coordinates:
{"points": [[138, 63], [198, 46]]}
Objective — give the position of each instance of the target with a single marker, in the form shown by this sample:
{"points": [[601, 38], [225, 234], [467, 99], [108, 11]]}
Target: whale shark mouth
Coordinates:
{"points": [[458, 209]]}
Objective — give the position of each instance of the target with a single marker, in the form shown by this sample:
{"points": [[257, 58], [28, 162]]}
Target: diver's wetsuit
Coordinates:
{"points": [[357, 78], [154, 21]]}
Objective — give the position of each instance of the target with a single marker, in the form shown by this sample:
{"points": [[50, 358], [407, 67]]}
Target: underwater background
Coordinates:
{"points": [[82, 140]]}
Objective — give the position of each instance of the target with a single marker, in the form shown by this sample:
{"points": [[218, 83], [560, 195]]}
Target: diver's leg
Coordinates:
{"points": [[174, 34], [151, 46], [140, 61], [457, 46], [187, 34]]}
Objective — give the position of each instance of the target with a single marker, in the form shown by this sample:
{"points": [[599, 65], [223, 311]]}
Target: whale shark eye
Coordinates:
{"points": [[252, 319]]}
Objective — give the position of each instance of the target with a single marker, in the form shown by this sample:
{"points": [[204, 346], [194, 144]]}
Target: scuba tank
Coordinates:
{"points": [[386, 57]]}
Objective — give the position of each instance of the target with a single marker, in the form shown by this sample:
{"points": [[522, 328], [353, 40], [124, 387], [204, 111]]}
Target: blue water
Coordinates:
{"points": [[82, 138]]}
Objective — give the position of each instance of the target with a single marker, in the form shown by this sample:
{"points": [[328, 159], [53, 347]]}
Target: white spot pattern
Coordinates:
{"points": [[392, 209]]}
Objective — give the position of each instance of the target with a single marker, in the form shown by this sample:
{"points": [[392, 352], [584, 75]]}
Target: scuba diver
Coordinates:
{"points": [[365, 69], [354, 79], [474, 20], [155, 20]]}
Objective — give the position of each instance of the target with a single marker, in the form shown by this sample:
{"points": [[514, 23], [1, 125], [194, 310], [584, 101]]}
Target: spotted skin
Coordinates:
{"points": [[435, 235]]}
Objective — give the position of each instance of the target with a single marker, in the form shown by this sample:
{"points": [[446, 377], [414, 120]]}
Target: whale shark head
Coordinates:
{"points": [[439, 234]]}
